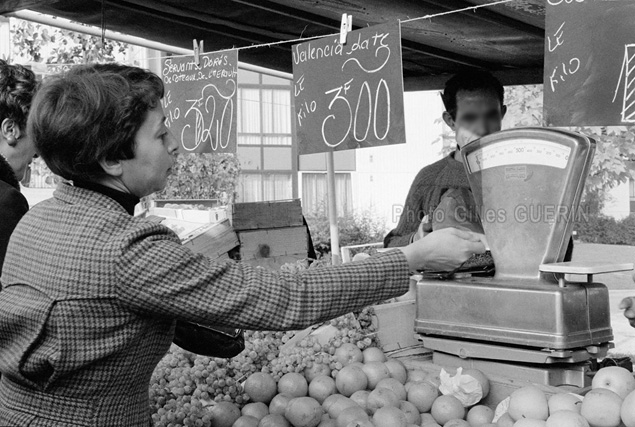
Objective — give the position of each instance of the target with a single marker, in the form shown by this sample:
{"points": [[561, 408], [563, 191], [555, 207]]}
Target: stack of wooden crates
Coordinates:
{"points": [[271, 233]]}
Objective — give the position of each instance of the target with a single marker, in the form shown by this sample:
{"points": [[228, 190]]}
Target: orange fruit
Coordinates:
{"points": [[279, 403], [322, 387], [361, 398], [480, 377], [456, 422], [446, 408], [528, 402], [381, 397], [615, 378], [394, 385], [389, 416], [628, 410], [304, 412], [316, 370], [412, 413], [397, 370], [256, 410], [566, 418], [348, 415], [327, 422], [422, 395], [293, 384], [360, 423], [375, 372], [348, 353], [373, 354], [601, 408], [335, 404], [505, 421], [417, 375], [260, 387], [246, 421], [479, 414], [224, 414], [564, 401], [274, 420], [350, 379], [530, 422], [427, 418]]}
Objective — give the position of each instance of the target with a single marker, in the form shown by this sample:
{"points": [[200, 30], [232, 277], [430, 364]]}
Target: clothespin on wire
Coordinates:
{"points": [[345, 27], [198, 49]]}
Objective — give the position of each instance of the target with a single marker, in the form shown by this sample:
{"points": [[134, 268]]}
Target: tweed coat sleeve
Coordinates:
{"points": [[158, 276]]}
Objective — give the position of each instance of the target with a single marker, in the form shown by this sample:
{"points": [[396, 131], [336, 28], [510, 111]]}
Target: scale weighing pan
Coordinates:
{"points": [[527, 185]]}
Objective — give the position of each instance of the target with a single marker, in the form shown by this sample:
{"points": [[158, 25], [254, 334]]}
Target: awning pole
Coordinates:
{"points": [[336, 258]]}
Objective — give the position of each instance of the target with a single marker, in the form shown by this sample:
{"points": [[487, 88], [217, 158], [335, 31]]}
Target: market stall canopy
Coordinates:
{"points": [[507, 38]]}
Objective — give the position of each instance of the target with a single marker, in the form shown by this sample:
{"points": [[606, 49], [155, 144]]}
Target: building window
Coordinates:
{"points": [[265, 138], [314, 192]]}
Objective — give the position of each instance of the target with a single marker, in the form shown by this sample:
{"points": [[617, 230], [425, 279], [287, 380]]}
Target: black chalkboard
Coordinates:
{"points": [[589, 77], [349, 96], [200, 101]]}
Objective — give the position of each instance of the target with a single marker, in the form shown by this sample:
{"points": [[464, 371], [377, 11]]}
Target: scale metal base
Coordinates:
{"points": [[546, 366], [523, 312]]}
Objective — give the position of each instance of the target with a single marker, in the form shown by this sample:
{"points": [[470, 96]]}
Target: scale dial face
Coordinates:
{"points": [[519, 152]]}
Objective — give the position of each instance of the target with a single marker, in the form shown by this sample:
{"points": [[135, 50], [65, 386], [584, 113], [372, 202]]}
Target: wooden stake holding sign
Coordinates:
{"points": [[348, 96]]}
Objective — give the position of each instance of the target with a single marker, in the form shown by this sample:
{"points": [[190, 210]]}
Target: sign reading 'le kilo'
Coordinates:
{"points": [[200, 101], [349, 95], [589, 76]]}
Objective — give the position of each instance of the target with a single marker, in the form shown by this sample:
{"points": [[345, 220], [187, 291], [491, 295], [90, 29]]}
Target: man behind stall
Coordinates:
{"points": [[474, 107]]}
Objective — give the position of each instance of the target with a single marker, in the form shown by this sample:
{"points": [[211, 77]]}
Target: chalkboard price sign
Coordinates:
{"points": [[200, 101], [589, 76], [349, 95]]}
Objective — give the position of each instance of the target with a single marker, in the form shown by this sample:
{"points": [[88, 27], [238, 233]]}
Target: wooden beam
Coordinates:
{"points": [[489, 16], [506, 77], [311, 18], [8, 6]]}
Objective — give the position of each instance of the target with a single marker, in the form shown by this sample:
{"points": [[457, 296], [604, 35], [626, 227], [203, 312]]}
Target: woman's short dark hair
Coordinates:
{"points": [[470, 81], [17, 87], [89, 114]]}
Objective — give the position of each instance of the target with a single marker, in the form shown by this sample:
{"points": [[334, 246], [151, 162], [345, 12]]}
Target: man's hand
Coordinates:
{"points": [[628, 305], [444, 250]]}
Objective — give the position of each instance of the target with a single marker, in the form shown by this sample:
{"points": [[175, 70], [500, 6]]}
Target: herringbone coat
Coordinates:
{"points": [[91, 295]]}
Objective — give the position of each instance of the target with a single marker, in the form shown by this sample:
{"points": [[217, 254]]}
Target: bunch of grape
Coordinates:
{"points": [[260, 349], [184, 384]]}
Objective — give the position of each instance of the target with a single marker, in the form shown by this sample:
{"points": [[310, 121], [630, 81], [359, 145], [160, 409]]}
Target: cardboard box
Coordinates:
{"points": [[278, 214]]}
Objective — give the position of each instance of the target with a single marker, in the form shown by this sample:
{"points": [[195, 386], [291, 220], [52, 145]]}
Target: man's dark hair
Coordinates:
{"points": [[17, 87], [470, 81], [89, 114]]}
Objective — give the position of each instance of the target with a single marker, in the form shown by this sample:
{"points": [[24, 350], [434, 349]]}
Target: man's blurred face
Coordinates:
{"points": [[478, 113]]}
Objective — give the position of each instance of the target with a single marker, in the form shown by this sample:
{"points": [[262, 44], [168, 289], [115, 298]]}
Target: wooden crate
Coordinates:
{"points": [[395, 327], [274, 243], [253, 216], [213, 240], [500, 387]]}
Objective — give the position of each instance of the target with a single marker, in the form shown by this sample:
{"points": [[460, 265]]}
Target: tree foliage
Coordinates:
{"points": [[33, 42]]}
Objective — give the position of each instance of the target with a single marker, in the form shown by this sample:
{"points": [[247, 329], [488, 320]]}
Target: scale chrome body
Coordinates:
{"points": [[527, 321]]}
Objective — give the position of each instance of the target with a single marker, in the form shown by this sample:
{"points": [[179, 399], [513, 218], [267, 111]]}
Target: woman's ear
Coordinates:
{"points": [[10, 131], [447, 118], [112, 167]]}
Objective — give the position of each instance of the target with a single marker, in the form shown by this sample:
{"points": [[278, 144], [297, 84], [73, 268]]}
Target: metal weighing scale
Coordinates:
{"points": [[527, 321]]}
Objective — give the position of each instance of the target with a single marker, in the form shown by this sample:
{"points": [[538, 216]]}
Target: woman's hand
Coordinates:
{"points": [[444, 250]]}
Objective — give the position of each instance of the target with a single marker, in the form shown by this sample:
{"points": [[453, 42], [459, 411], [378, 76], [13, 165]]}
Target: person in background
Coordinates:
{"points": [[474, 107], [81, 334], [628, 305], [17, 87]]}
